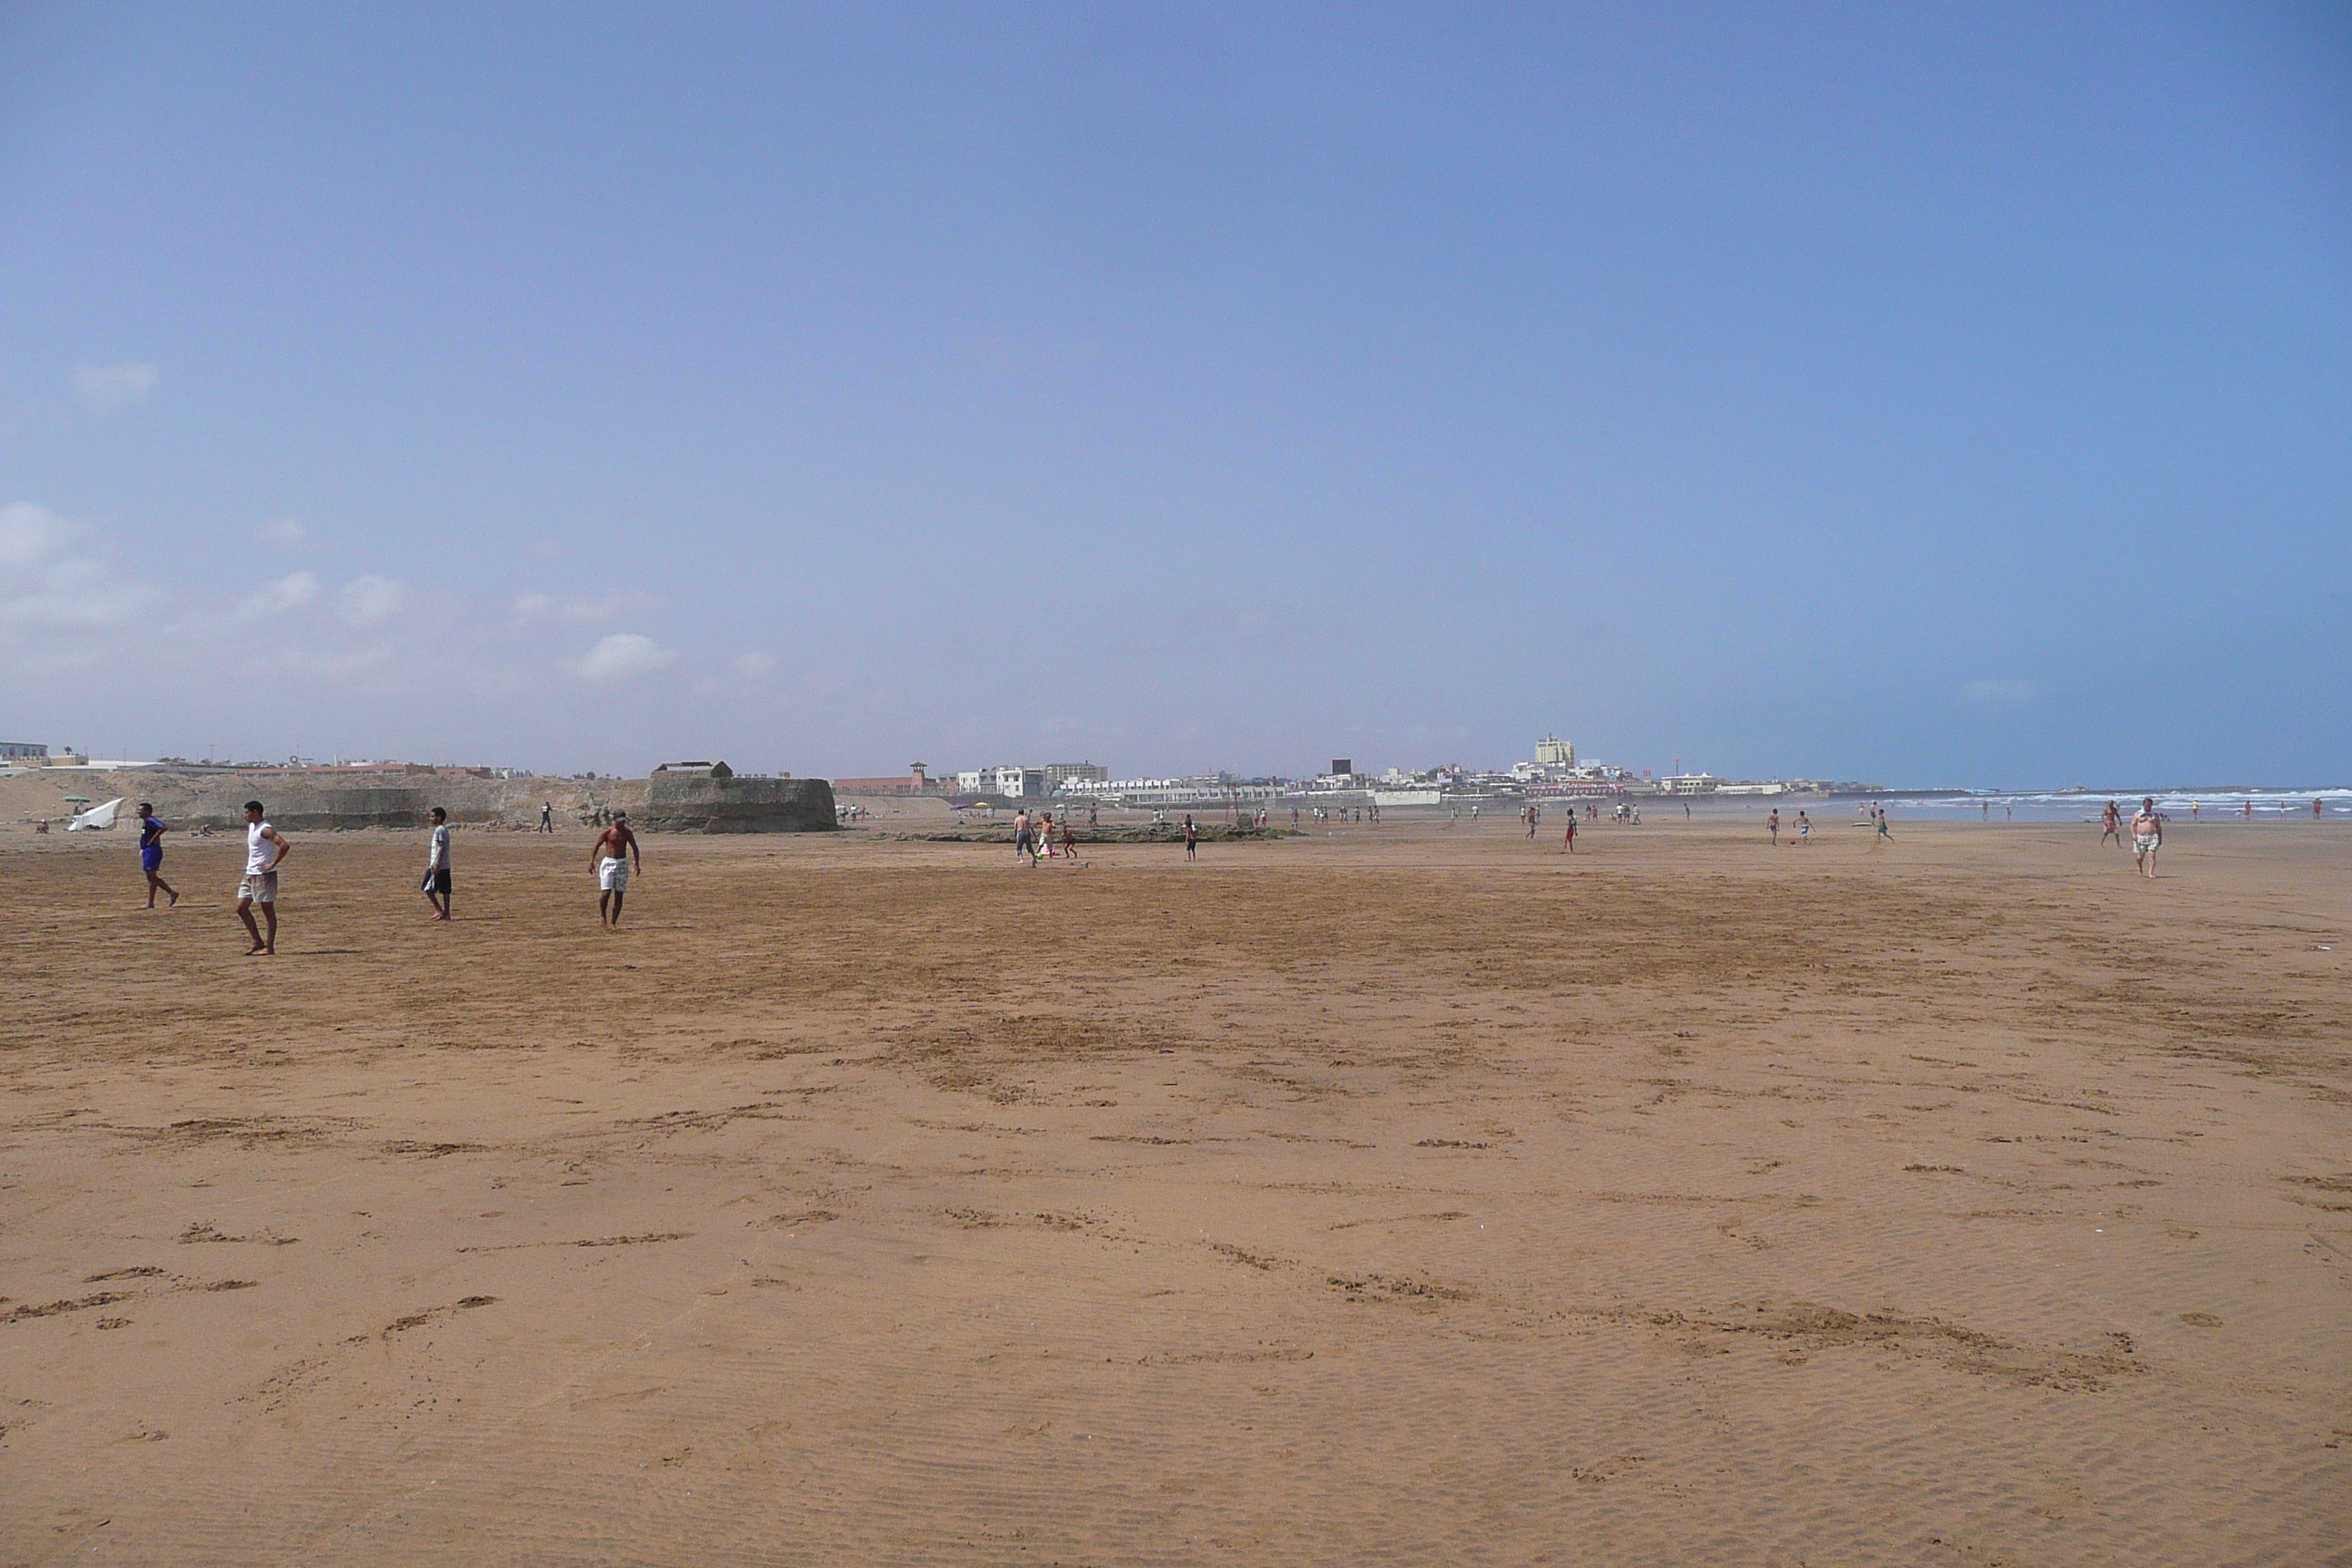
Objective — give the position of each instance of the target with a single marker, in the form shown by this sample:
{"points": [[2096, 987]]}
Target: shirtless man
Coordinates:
{"points": [[616, 846], [2111, 826], [1023, 846], [265, 850], [1773, 822], [1571, 839], [2148, 835]]}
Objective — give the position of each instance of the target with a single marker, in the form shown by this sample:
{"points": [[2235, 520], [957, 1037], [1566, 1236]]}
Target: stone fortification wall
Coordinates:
{"points": [[693, 804], [300, 804]]}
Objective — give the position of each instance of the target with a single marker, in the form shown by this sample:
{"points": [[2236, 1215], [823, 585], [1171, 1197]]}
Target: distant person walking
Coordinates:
{"points": [[2147, 836], [1883, 835], [1804, 829], [1773, 823], [265, 850], [1024, 845], [611, 855], [1191, 840], [2111, 826], [436, 866], [150, 852], [547, 816], [1571, 839]]}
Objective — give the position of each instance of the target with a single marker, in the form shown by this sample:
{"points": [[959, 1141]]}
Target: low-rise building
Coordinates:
{"points": [[1020, 783]]}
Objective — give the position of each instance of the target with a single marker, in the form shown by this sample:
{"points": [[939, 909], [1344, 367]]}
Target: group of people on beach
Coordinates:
{"points": [[1041, 838], [1034, 841], [266, 849]]}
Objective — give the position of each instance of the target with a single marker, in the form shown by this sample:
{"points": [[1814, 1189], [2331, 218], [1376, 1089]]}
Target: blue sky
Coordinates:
{"points": [[1923, 393]]}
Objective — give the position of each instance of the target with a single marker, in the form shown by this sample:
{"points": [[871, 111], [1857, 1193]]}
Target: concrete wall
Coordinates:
{"points": [[694, 804], [314, 805]]}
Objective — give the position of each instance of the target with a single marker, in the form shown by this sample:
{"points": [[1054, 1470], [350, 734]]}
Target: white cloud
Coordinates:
{"points": [[2001, 693], [282, 531], [70, 605], [620, 655], [111, 386], [370, 601], [280, 597], [58, 576], [754, 665], [537, 606]]}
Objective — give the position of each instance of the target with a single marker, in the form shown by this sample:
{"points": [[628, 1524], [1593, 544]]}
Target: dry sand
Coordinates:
{"points": [[1410, 1196]]}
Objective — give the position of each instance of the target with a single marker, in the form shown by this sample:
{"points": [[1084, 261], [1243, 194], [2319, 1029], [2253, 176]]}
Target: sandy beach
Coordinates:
{"points": [[1416, 1194]]}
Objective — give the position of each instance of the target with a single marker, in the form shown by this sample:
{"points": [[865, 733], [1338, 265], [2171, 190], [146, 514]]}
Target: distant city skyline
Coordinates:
{"points": [[1930, 395]]}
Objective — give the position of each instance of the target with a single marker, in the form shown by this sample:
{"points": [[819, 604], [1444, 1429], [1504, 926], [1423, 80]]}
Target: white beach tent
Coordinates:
{"points": [[97, 816]]}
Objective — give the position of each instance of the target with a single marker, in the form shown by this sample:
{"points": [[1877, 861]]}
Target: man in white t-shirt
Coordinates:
{"points": [[265, 850], [436, 867]]}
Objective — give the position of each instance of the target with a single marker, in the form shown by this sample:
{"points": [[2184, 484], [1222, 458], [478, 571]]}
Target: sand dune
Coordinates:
{"points": [[1403, 1196]]}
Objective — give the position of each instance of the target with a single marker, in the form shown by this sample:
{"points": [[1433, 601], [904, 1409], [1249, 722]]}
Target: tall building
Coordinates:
{"points": [[1060, 774], [1551, 752]]}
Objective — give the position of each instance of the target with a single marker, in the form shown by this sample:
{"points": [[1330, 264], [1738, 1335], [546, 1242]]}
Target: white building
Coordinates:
{"points": [[1206, 789], [1020, 783]]}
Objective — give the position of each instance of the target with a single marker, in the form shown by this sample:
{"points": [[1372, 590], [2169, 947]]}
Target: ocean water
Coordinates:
{"points": [[2180, 805]]}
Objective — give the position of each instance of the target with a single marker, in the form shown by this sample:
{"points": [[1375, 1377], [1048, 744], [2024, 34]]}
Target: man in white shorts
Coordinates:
{"points": [[265, 850], [611, 857], [2148, 835]]}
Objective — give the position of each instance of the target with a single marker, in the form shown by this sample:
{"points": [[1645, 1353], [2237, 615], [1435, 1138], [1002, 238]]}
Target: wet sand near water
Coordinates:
{"points": [[1407, 1195]]}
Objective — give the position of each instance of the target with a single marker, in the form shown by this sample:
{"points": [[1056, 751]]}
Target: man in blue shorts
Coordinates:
{"points": [[150, 852]]}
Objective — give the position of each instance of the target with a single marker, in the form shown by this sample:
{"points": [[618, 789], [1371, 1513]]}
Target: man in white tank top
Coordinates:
{"points": [[265, 850]]}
